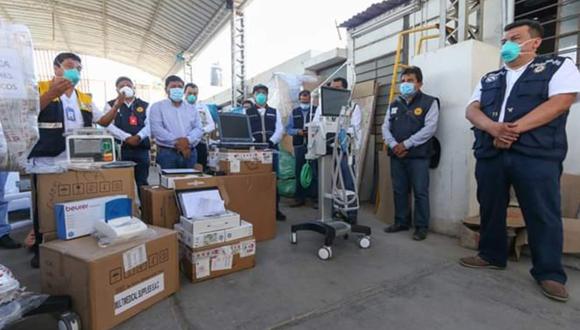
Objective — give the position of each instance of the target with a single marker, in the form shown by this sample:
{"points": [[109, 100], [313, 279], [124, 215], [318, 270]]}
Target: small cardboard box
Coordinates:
{"points": [[232, 162], [209, 224], [49, 189], [76, 219], [159, 207], [195, 241], [187, 181], [110, 285], [218, 260]]}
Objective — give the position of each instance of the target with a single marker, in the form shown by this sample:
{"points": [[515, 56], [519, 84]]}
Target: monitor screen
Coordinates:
{"points": [[234, 126], [97, 148], [333, 100]]}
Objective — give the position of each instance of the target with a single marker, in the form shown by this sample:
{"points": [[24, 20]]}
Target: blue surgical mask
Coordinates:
{"points": [[407, 89], [191, 99], [261, 99], [176, 94], [305, 106], [510, 51], [73, 75]]}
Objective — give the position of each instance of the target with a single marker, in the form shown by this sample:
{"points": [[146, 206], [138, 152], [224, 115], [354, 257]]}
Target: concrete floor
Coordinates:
{"points": [[397, 284]]}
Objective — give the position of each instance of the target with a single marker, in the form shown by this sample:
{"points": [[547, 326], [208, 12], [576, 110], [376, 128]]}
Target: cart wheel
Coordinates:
{"points": [[364, 242], [293, 238], [69, 321], [325, 253]]}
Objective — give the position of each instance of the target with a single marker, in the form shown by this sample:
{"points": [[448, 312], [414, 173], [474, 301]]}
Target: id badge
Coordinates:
{"points": [[133, 120], [70, 114]]}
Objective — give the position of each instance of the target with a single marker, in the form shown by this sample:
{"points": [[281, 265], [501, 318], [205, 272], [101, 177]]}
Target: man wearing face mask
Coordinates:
{"points": [[296, 128], [63, 109], [207, 123], [266, 126], [176, 127], [519, 116], [410, 123], [131, 128]]}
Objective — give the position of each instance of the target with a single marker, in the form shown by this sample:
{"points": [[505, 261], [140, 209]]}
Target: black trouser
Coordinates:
{"points": [[202, 154], [536, 182], [141, 157]]}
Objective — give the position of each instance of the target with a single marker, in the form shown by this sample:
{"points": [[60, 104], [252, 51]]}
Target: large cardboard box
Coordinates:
{"points": [[159, 207], [253, 197], [110, 285], [234, 162], [217, 260], [76, 185]]}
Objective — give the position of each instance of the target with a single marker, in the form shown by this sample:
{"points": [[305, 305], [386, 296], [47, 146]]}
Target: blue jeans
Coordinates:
{"points": [[536, 182], [312, 191], [407, 174], [4, 225], [170, 158]]}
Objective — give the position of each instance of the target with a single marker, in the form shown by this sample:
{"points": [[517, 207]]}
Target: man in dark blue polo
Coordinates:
{"points": [[296, 128], [266, 126], [519, 116], [131, 129]]}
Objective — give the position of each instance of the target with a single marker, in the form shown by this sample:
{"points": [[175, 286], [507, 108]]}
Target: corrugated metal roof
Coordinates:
{"points": [[148, 34], [373, 11]]}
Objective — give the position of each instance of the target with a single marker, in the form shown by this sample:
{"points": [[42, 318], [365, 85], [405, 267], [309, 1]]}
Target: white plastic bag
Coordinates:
{"points": [[19, 99]]}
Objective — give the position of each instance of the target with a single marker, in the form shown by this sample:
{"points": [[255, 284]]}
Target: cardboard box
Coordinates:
{"points": [[158, 206], [233, 162], [209, 224], [571, 229], [218, 260], [110, 285], [76, 219], [253, 197], [570, 196], [50, 189]]}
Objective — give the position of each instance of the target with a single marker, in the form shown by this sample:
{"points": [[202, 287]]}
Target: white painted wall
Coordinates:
{"points": [[451, 74]]}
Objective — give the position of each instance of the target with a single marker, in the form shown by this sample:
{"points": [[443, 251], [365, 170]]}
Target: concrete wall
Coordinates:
{"points": [[451, 73], [572, 162]]}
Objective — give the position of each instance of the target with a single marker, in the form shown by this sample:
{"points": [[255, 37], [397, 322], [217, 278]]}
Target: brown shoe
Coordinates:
{"points": [[477, 262], [554, 290]]}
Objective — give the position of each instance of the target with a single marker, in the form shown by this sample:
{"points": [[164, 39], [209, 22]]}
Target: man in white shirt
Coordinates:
{"points": [[266, 126], [207, 123], [131, 128], [519, 116]]}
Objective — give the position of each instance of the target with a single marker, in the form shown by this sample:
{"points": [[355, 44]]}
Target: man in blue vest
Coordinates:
{"points": [[519, 116], [63, 108], [266, 126], [131, 129], [296, 128], [409, 125]]}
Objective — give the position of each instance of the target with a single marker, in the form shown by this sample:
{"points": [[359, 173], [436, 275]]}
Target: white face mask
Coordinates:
{"points": [[127, 91]]}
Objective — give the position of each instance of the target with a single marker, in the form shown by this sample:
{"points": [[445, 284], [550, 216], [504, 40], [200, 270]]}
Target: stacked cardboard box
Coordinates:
{"points": [[232, 162], [107, 284], [215, 244]]}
